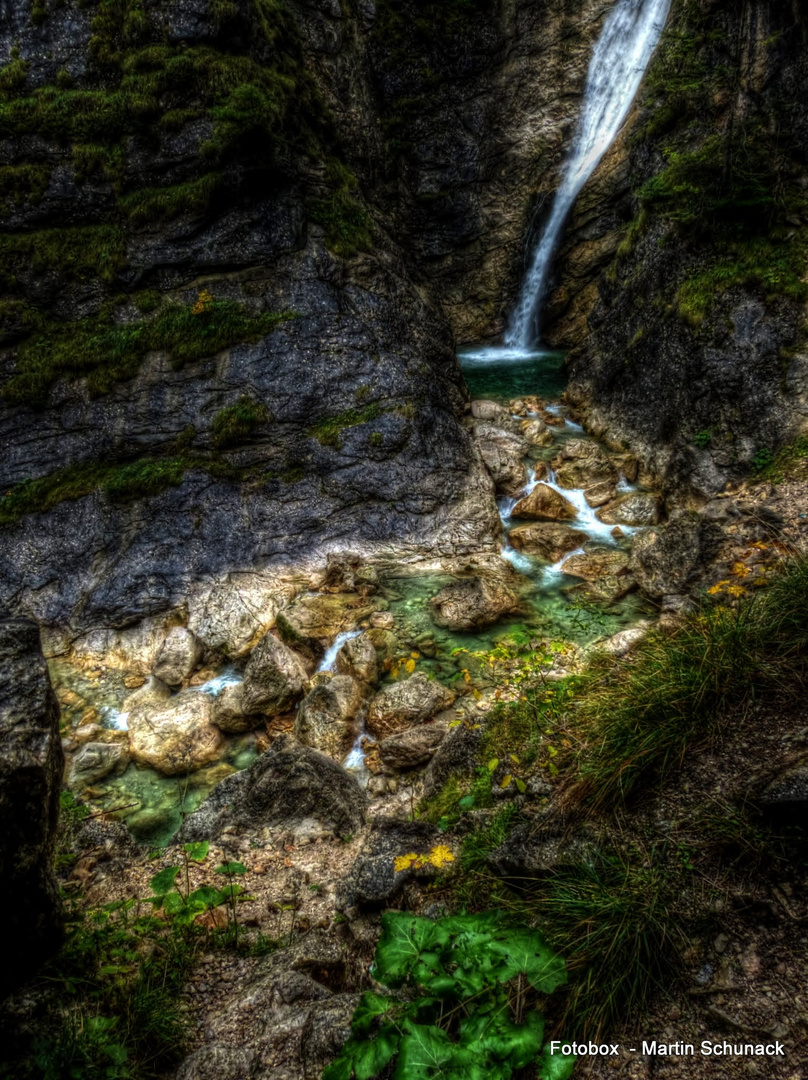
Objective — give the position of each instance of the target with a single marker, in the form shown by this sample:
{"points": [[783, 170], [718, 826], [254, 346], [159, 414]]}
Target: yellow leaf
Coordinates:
{"points": [[415, 655], [739, 569], [394, 672], [441, 855], [409, 666], [404, 862], [466, 677], [505, 781], [476, 694], [514, 759]]}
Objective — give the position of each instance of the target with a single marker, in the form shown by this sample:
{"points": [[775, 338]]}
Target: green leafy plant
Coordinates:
{"points": [[184, 905], [466, 1008]]}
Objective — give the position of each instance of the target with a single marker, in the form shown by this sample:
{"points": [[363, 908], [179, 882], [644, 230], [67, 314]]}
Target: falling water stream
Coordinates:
{"points": [[629, 37]]}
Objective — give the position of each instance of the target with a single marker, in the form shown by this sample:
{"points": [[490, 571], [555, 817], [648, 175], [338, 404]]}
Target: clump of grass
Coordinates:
{"points": [[346, 222], [638, 715], [327, 432], [155, 205], [234, 423], [614, 919], [786, 463], [79, 254], [104, 352]]}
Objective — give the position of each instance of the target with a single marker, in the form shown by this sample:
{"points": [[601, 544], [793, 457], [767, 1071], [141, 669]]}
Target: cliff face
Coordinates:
{"points": [[214, 358], [681, 284], [236, 238]]}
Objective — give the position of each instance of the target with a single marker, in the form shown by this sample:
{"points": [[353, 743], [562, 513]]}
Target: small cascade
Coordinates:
{"points": [[629, 36], [329, 661]]}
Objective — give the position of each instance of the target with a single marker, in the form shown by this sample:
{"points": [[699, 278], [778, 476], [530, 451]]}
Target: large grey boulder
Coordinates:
{"points": [[665, 558], [31, 763], [404, 704], [633, 508], [547, 539], [273, 679], [545, 504], [288, 783]]}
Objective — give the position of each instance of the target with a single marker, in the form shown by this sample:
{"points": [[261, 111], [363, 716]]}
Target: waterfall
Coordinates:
{"points": [[629, 36]]}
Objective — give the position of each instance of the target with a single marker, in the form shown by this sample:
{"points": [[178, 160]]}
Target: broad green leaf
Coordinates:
{"points": [[525, 952], [173, 903], [496, 1034], [231, 868], [466, 803], [207, 895], [197, 852], [342, 1067], [164, 881], [423, 1053], [555, 1066], [404, 938], [372, 1055], [370, 1007]]}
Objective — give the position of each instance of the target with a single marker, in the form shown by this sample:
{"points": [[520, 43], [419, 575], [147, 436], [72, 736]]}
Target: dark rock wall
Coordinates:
{"points": [[681, 282], [30, 776]]}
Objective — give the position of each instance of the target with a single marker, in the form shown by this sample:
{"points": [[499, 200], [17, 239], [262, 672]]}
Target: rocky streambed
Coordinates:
{"points": [[371, 663]]}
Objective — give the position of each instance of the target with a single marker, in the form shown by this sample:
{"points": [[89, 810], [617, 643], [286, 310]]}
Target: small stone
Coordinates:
{"points": [[178, 656]]}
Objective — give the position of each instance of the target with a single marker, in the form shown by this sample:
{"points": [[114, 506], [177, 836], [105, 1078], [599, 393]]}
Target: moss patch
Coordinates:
{"points": [[327, 432], [104, 352]]}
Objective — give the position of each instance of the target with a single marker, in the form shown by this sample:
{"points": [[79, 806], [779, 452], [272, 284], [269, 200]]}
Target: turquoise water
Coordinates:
{"points": [[500, 373]]}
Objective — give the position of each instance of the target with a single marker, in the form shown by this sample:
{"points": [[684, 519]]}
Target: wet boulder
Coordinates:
{"points": [[358, 658], [405, 704], [581, 464], [31, 763], [545, 504], [150, 693], [346, 573], [597, 562], [507, 469], [489, 410], [536, 432], [412, 748], [287, 784], [178, 656], [326, 717], [230, 712], [311, 622], [177, 736], [504, 433], [472, 603], [550, 541], [633, 508], [273, 680], [600, 493]]}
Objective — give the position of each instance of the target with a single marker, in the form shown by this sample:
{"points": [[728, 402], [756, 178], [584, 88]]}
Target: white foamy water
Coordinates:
{"points": [[214, 686], [629, 36], [329, 661]]}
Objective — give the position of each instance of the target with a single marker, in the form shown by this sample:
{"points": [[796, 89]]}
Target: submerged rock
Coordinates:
{"points": [[634, 508], [472, 603], [31, 763], [404, 704], [94, 761], [549, 540], [273, 679], [287, 784], [545, 504], [326, 718], [178, 656], [177, 736]]}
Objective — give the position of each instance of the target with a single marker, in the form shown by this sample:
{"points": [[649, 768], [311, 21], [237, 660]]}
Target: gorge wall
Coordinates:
{"points": [[681, 283], [235, 240]]}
